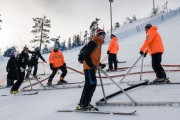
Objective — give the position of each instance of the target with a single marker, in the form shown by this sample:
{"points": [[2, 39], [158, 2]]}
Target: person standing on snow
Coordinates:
{"points": [[11, 69], [56, 62], [92, 56], [22, 61], [34, 61], [112, 53], [154, 46]]}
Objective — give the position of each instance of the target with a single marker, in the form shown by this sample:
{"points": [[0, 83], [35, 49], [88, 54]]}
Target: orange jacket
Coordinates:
{"points": [[56, 58], [113, 46], [96, 54], [153, 42]]}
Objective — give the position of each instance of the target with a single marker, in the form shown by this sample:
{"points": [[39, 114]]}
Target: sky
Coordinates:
{"points": [[68, 17]]}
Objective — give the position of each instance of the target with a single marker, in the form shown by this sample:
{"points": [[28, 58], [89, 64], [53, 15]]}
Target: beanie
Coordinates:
{"points": [[112, 35], [100, 32], [56, 46], [148, 26]]}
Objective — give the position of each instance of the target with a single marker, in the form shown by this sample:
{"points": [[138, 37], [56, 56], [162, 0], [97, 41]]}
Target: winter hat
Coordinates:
{"points": [[148, 26], [112, 35], [56, 46], [100, 32]]}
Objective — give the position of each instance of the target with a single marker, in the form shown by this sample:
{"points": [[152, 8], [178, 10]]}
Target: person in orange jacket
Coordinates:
{"points": [[112, 52], [56, 62], [154, 46], [92, 56]]}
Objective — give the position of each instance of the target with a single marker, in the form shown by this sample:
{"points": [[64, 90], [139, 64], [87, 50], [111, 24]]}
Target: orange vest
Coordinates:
{"points": [[113, 46], [153, 43], [96, 54], [56, 58]]}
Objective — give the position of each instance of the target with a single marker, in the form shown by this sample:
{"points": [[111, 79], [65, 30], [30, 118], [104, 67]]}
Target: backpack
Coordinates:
{"points": [[81, 53]]}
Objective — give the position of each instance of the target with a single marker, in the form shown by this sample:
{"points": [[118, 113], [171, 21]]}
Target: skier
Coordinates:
{"points": [[11, 69], [154, 46], [34, 62], [92, 56], [112, 52], [56, 61], [21, 61]]}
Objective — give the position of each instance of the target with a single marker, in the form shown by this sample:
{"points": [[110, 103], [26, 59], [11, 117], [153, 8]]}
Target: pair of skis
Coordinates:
{"points": [[21, 94], [99, 112], [151, 83]]}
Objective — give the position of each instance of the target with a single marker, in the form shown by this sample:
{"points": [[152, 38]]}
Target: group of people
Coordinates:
{"points": [[153, 45], [16, 67]]}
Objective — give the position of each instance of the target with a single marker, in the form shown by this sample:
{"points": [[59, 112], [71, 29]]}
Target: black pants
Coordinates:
{"points": [[62, 68], [89, 87], [35, 65], [112, 59], [19, 81], [156, 65]]}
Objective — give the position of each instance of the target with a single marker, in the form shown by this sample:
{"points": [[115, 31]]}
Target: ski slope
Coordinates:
{"points": [[44, 105]]}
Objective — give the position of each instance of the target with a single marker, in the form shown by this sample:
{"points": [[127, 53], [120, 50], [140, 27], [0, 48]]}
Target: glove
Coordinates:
{"points": [[64, 64], [51, 66], [141, 52], [102, 66], [22, 69], [93, 67], [108, 52], [145, 54]]}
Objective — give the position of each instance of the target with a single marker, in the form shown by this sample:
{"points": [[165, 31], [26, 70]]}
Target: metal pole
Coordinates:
{"points": [[111, 13], [130, 69], [102, 86], [153, 7], [133, 101], [142, 63], [30, 83]]}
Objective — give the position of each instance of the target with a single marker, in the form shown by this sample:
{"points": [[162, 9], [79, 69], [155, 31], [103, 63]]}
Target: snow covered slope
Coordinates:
{"points": [[44, 105]]}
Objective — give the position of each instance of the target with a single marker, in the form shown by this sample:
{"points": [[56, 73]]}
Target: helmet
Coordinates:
{"points": [[148, 26]]}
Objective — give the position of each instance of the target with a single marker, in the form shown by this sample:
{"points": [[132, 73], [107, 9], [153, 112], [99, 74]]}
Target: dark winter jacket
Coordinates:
{"points": [[92, 54], [35, 56], [22, 60], [11, 68]]}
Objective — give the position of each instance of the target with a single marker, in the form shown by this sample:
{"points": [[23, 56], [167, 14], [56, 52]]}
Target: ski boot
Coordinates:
{"points": [[14, 91], [86, 108], [161, 81], [109, 70], [60, 82]]}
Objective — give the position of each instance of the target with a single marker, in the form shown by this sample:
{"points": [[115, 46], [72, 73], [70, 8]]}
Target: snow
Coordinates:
{"points": [[44, 105]]}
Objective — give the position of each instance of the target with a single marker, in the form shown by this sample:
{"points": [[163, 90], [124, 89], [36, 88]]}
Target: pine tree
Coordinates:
{"points": [[40, 30], [69, 43], [0, 22]]}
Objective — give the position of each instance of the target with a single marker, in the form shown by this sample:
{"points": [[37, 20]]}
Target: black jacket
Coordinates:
{"points": [[11, 68], [35, 56], [22, 60]]}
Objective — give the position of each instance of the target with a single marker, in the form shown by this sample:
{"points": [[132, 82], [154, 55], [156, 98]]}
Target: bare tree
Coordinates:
{"points": [[155, 11], [41, 30]]}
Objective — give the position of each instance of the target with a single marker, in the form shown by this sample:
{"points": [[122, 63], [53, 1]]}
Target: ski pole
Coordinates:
{"points": [[102, 86], [142, 63], [37, 80], [30, 84], [133, 101], [130, 69]]}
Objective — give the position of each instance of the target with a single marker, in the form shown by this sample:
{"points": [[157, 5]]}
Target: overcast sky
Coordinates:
{"points": [[68, 17]]}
